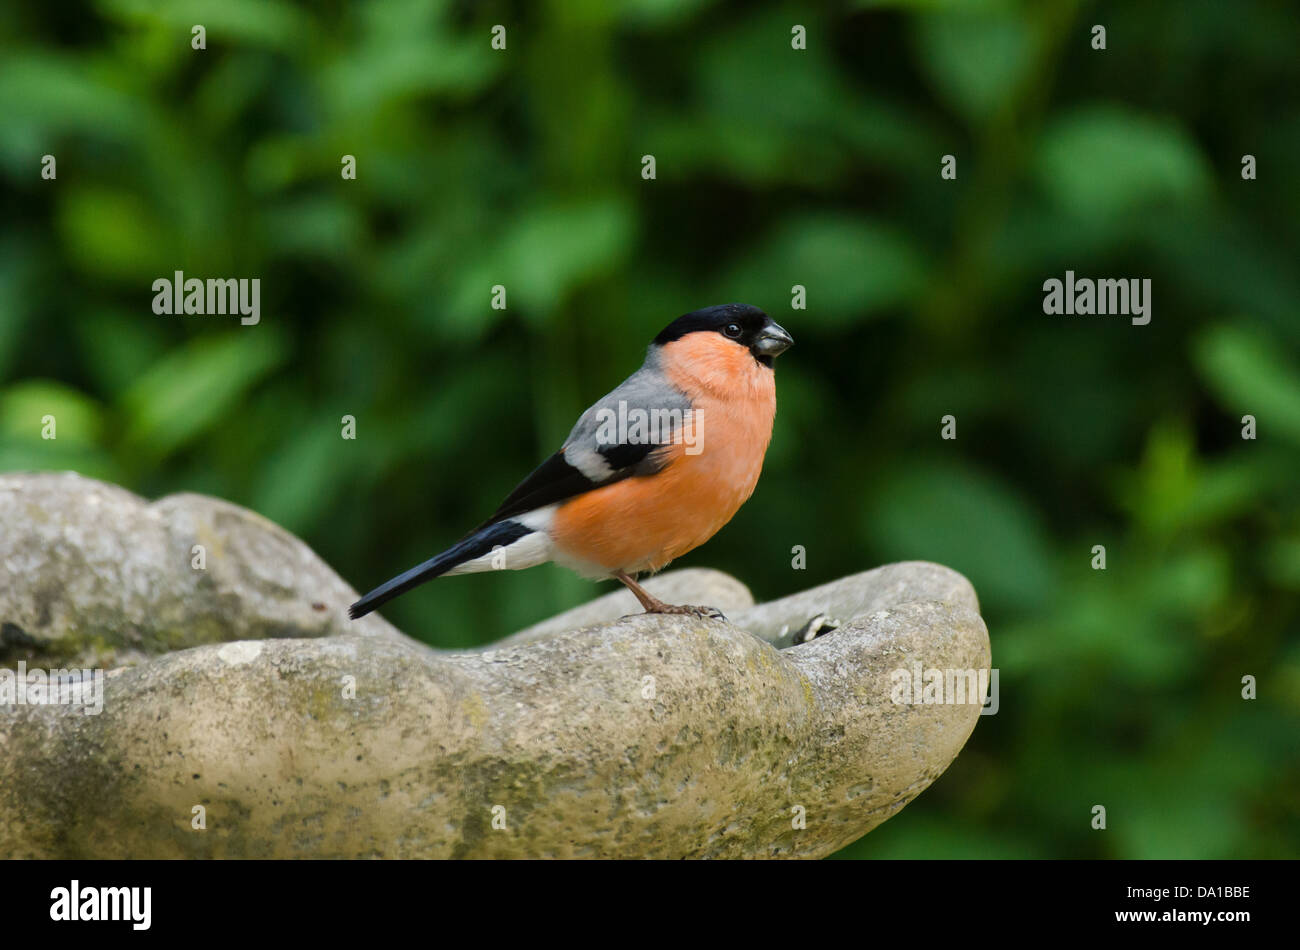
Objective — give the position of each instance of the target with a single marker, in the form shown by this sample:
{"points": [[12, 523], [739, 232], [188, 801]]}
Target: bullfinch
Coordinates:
{"points": [[651, 471]]}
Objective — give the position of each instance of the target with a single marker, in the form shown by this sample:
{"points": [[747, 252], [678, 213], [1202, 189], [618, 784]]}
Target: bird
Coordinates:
{"points": [[649, 472]]}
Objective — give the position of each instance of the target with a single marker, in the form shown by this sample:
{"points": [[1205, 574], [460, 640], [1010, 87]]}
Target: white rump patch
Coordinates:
{"points": [[528, 551]]}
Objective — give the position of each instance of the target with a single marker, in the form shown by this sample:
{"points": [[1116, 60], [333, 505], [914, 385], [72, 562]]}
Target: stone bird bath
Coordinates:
{"points": [[244, 716]]}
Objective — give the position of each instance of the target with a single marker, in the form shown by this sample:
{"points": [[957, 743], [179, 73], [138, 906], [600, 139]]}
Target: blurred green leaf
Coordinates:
{"points": [[1283, 562], [113, 234], [1251, 376], [852, 268], [1159, 494], [958, 6], [42, 95], [315, 226], [272, 23], [15, 262], [656, 14], [969, 520], [976, 59], [117, 346], [78, 419], [1103, 161], [404, 48], [303, 475], [548, 252], [192, 387]]}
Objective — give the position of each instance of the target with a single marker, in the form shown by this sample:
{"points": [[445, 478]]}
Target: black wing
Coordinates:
{"points": [[589, 459], [557, 480]]}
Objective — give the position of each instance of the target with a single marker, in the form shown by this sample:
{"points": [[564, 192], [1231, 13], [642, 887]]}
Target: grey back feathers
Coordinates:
{"points": [[619, 433]]}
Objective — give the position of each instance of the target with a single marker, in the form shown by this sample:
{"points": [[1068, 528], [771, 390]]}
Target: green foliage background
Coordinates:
{"points": [[775, 168]]}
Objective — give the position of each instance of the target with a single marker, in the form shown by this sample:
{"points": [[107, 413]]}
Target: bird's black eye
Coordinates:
{"points": [[732, 330]]}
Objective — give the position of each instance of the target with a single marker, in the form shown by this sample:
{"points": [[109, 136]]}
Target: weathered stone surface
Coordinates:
{"points": [[92, 575], [857, 596], [691, 585], [634, 737]]}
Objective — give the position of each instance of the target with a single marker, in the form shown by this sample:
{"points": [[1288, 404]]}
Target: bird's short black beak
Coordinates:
{"points": [[773, 340]]}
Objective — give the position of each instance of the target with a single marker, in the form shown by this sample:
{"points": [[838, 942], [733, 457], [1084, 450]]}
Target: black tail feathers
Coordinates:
{"points": [[476, 545]]}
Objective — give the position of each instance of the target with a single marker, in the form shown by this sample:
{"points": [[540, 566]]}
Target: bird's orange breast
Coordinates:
{"points": [[640, 524]]}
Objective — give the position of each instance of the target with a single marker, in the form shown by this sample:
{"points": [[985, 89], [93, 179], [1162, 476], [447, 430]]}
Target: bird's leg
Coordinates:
{"points": [[653, 605]]}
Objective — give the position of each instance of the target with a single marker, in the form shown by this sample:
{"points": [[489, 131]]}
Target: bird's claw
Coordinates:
{"points": [[709, 613], [687, 610]]}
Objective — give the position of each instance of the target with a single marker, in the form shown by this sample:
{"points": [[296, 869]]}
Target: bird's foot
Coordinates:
{"points": [[710, 613]]}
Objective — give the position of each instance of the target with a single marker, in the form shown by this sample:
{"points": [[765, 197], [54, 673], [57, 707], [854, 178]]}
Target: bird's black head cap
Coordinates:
{"points": [[746, 325]]}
